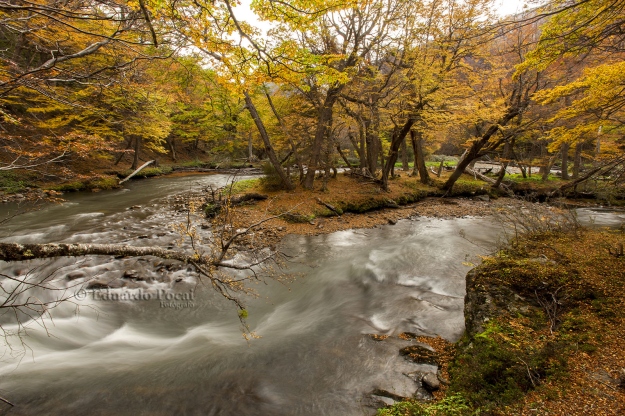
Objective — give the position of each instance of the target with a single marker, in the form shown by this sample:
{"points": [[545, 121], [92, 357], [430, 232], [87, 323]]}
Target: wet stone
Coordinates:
{"points": [[75, 275], [430, 381]]}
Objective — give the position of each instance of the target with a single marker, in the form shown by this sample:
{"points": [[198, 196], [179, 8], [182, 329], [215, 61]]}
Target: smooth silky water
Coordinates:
{"points": [[313, 357]]}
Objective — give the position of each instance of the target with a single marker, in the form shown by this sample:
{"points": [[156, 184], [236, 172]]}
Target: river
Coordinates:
{"points": [[314, 357]]}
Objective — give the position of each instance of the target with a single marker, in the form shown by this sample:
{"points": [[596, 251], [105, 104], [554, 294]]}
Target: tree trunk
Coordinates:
{"points": [[322, 132], [357, 148], [417, 144], [440, 168], [172, 146], [328, 163], [565, 160], [404, 156], [250, 149], [546, 169], [507, 154], [373, 148], [121, 156], [577, 160], [135, 160], [519, 164], [298, 159], [474, 150], [23, 252], [363, 150], [415, 167], [338, 149], [392, 153], [286, 181]]}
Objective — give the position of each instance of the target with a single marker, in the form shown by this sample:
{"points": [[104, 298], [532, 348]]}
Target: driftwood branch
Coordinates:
{"points": [[136, 171], [6, 401], [21, 252]]}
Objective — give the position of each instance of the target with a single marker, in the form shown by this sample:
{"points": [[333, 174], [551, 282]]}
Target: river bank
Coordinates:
{"points": [[353, 204], [545, 326], [467, 370]]}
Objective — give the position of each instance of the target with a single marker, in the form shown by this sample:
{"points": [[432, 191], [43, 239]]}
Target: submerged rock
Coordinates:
{"points": [[75, 275]]}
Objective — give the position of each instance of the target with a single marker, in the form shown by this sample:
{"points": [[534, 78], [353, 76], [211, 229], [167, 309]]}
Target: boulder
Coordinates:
{"points": [[430, 382]]}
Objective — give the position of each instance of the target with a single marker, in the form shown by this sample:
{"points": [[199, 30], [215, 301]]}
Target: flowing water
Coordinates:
{"points": [[144, 357]]}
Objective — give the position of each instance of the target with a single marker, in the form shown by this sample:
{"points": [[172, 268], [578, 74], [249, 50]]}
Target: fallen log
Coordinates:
{"points": [[598, 171], [213, 207], [136, 171], [485, 178], [330, 207], [252, 196]]}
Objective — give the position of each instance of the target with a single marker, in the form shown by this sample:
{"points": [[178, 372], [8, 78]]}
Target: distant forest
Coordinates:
{"points": [[312, 83]]}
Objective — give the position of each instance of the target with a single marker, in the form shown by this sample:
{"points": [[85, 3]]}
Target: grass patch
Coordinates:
{"points": [[148, 172], [467, 186], [453, 405], [70, 187], [244, 185], [295, 217], [194, 164], [518, 177]]}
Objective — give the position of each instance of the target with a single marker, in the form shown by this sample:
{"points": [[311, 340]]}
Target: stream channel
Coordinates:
{"points": [[188, 357]]}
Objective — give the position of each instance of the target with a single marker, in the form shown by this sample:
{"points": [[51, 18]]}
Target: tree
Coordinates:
{"points": [[60, 60], [330, 41], [589, 32], [44, 44], [439, 38], [505, 95]]}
